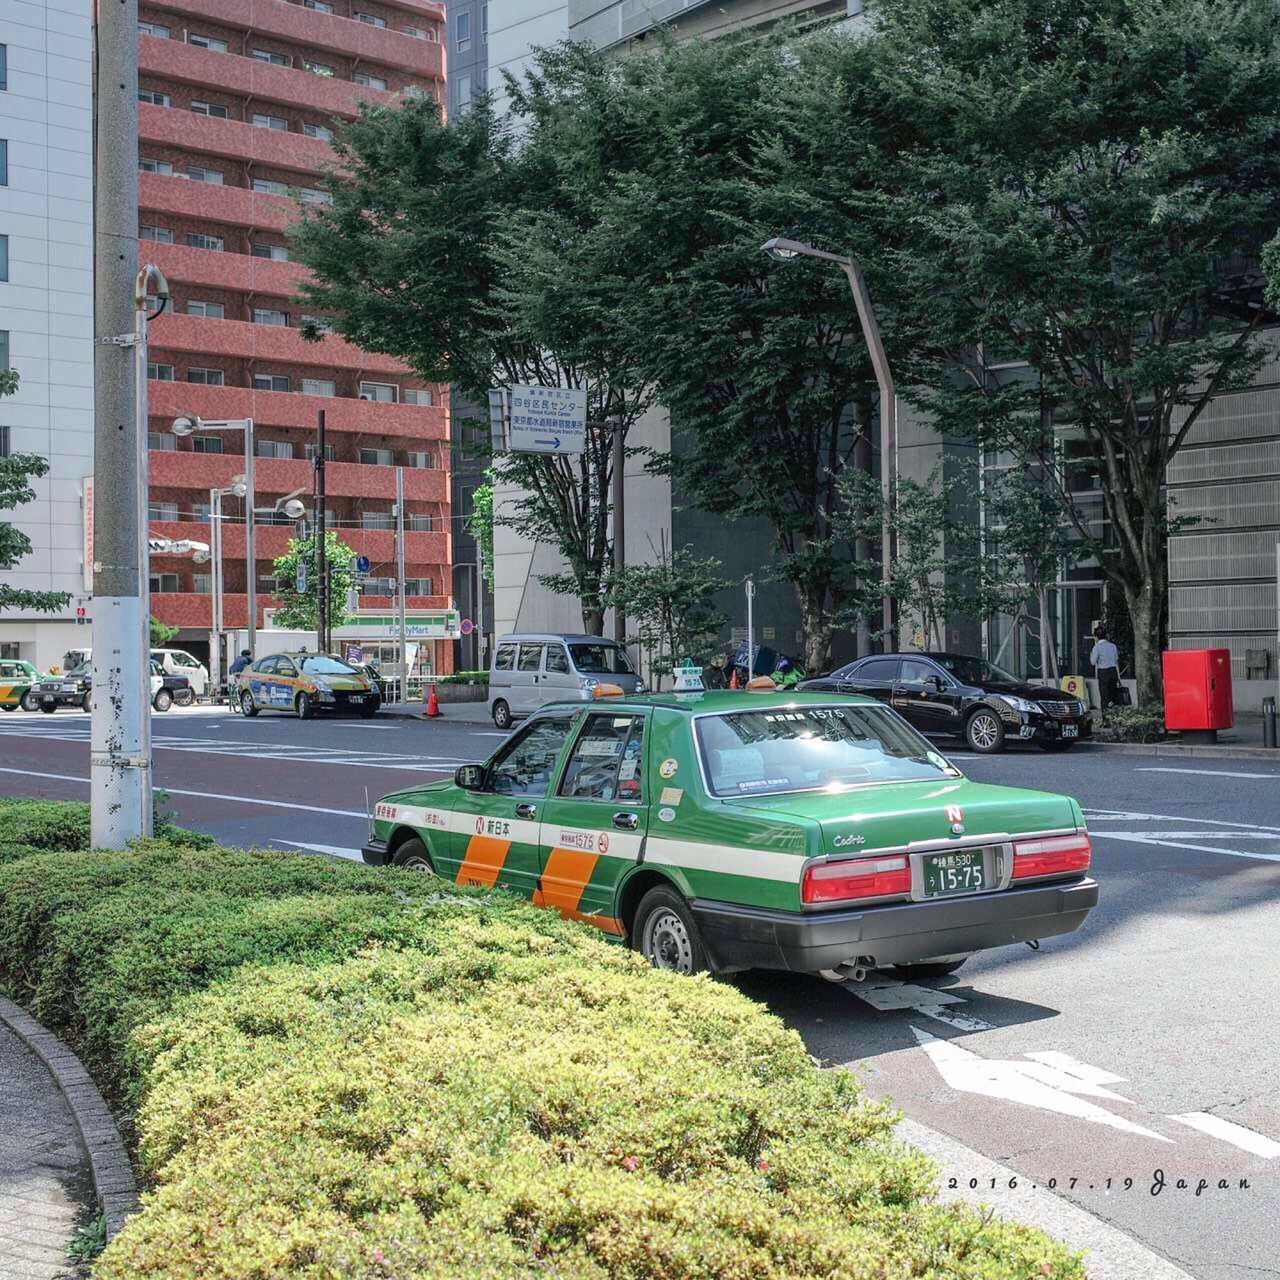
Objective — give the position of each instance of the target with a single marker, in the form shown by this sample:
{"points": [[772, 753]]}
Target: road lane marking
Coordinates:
{"points": [[1120, 815], [1030, 1084], [337, 851], [1206, 773], [1237, 1135], [889, 995], [1153, 839], [204, 795]]}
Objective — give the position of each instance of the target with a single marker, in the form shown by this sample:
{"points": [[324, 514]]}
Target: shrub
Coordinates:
{"points": [[63, 825], [1132, 724], [464, 677]]}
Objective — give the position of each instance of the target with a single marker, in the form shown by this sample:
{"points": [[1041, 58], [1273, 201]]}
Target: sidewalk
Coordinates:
{"points": [[46, 1183], [1241, 742], [464, 712]]}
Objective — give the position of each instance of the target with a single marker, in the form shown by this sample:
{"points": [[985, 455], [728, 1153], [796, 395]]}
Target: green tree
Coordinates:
{"points": [[161, 632], [300, 611], [16, 473], [669, 605], [480, 523], [1065, 185]]}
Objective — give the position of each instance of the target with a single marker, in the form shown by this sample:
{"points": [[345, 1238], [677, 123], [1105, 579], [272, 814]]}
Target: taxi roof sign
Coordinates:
{"points": [[688, 677]]}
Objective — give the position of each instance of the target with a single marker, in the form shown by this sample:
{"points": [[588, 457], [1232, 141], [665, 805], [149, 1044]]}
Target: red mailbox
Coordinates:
{"points": [[1197, 689]]}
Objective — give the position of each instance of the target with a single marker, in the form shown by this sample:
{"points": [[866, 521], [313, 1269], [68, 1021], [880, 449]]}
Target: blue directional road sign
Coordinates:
{"points": [[362, 564]]}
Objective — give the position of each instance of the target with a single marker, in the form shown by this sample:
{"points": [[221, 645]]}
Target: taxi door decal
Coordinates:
{"points": [[484, 861], [564, 881]]}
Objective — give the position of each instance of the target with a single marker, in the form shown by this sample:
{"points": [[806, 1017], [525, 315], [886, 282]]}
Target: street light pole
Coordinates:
{"points": [[250, 556], [619, 527], [784, 250]]}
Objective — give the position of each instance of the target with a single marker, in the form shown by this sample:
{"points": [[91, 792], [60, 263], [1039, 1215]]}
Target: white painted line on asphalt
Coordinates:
{"points": [[1235, 1134], [1074, 1067], [204, 795], [1121, 815], [1206, 773], [337, 851], [1030, 1084], [888, 995], [1148, 838]]}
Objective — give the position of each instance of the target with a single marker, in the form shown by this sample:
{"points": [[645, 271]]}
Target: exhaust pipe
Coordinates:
{"points": [[855, 972]]}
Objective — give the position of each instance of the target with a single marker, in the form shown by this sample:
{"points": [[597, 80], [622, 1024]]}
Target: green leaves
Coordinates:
{"points": [[299, 611]]}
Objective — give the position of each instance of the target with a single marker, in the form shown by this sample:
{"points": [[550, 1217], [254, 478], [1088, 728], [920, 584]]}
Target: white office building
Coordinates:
{"points": [[46, 303]]}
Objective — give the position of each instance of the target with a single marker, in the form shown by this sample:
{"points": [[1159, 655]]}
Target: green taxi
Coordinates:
{"points": [[17, 676], [751, 829]]}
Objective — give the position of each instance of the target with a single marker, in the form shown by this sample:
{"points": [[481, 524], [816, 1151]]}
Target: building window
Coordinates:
{"points": [[317, 131], [421, 524], [317, 68], [159, 372], [274, 252], [212, 176], [209, 310], [269, 187], [4, 442], [377, 458], [4, 257], [161, 235], [270, 382], [4, 348], [464, 92], [382, 392], [261, 121], [275, 59], [369, 81], [214, 109], [329, 453], [462, 30], [4, 66], [273, 449], [484, 20], [320, 6], [164, 583], [206, 444], [206, 377], [309, 195], [418, 33], [198, 240], [155, 98], [268, 315], [207, 42], [422, 461], [162, 442], [377, 520], [419, 396], [153, 29], [418, 587], [162, 511], [155, 166], [318, 387], [318, 324], [369, 19], [201, 583]]}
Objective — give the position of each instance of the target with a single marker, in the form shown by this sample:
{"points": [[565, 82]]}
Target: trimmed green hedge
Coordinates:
{"points": [[339, 1072], [63, 826], [463, 677]]}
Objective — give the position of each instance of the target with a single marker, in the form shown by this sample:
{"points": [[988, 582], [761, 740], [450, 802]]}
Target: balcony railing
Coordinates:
{"points": [[220, 269], [232, 139], [235, 206]]}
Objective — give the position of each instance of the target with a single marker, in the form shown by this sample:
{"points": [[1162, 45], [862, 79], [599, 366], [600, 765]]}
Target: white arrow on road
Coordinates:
{"points": [[1050, 1083]]}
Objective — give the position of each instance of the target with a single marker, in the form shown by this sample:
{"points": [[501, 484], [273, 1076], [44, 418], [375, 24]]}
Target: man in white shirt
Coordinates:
{"points": [[1106, 663]]}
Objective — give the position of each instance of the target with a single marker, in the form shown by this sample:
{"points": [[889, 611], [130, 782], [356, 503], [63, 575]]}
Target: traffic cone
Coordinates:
{"points": [[733, 679], [433, 703]]}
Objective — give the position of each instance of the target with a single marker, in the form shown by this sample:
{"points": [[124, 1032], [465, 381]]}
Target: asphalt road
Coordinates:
{"points": [[1142, 1050]]}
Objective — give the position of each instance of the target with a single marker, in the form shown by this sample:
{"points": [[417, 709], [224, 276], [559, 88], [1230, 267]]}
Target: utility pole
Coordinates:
{"points": [[322, 573], [120, 761], [479, 603], [400, 592], [619, 526], [751, 628]]}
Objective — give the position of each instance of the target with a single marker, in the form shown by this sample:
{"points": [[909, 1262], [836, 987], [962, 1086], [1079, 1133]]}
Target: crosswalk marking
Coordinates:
{"points": [[1226, 1131]]}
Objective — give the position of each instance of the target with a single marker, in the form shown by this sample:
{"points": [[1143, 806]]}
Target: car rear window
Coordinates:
{"points": [[812, 748]]}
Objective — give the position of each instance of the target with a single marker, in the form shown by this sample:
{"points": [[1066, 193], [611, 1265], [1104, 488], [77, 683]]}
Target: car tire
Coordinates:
{"points": [[501, 715], [927, 969], [305, 706], [86, 703], [412, 855], [666, 934], [247, 705], [163, 700], [1056, 744], [983, 732], [10, 706], [185, 697], [48, 707], [30, 702]]}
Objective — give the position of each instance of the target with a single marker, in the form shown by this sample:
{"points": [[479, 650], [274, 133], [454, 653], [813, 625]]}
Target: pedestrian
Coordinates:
{"points": [[1106, 664], [240, 663]]}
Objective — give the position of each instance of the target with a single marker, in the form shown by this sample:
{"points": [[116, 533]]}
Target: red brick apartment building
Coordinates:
{"points": [[238, 101]]}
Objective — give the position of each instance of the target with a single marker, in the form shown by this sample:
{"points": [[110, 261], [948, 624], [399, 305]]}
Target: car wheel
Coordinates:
{"points": [[30, 702], [984, 732], [666, 933], [936, 969], [412, 855], [501, 715], [185, 697], [86, 703], [306, 707], [1057, 744], [247, 705], [10, 706], [48, 707], [163, 700]]}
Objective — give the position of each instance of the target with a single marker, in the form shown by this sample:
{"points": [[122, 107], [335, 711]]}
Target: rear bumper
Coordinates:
{"points": [[375, 853], [756, 938]]}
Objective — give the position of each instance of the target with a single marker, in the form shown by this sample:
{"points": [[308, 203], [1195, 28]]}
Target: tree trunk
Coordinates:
{"points": [[1144, 603], [815, 623], [592, 616], [1048, 650]]}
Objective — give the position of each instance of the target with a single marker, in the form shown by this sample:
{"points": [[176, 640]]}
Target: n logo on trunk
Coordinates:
{"points": [[955, 816]]}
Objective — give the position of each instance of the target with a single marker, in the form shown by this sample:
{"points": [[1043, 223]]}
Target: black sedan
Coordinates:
{"points": [[954, 693]]}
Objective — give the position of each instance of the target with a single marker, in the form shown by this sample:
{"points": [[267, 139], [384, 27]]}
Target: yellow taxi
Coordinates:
{"points": [[305, 683]]}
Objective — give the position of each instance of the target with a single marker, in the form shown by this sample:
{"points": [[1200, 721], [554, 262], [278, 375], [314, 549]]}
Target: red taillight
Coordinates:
{"points": [[869, 878], [1052, 855]]}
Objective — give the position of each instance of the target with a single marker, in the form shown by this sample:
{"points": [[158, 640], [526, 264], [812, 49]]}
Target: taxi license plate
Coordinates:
{"points": [[947, 873], [356, 697], [1070, 730]]}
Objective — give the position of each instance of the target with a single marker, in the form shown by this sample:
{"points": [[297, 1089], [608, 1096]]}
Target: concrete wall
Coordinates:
{"points": [[516, 28], [46, 306], [608, 24]]}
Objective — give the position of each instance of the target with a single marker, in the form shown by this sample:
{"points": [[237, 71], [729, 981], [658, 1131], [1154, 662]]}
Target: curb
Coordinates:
{"points": [[1206, 752], [1109, 1253], [113, 1179]]}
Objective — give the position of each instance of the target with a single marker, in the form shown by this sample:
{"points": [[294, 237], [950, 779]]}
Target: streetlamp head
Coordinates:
{"points": [[200, 557], [184, 426], [781, 250], [238, 487], [295, 508]]}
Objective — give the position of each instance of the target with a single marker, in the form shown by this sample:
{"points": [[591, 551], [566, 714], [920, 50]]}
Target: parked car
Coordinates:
{"points": [[968, 697], [178, 662], [531, 670], [17, 676], [73, 689], [735, 830], [305, 683]]}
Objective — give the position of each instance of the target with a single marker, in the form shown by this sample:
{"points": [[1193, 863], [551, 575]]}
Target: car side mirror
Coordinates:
{"points": [[470, 777]]}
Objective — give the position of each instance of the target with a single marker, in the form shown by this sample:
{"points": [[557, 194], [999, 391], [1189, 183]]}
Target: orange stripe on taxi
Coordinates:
{"points": [[484, 861], [565, 877]]}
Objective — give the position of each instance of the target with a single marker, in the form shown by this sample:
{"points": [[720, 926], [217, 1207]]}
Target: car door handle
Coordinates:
{"points": [[627, 821], [526, 811]]}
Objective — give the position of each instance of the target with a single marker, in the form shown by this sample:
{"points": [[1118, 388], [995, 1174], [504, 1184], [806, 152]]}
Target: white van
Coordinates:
{"points": [[178, 662], [531, 670]]}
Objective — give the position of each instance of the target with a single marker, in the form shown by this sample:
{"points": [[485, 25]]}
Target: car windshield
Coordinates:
{"points": [[973, 670], [318, 665], [600, 659], [812, 748]]}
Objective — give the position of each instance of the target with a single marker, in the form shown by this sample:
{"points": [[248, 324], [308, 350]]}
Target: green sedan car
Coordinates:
{"points": [[736, 830]]}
